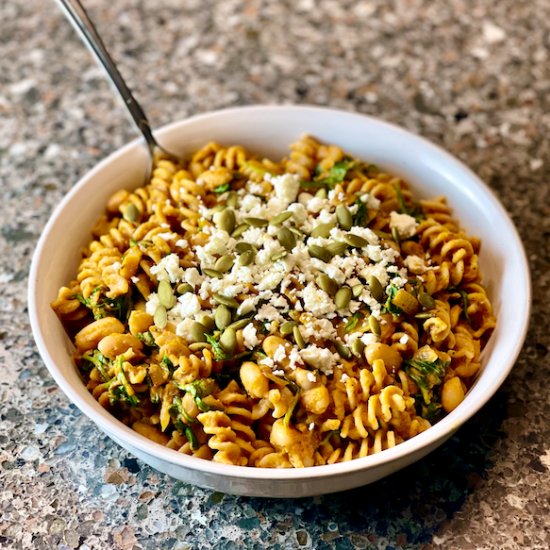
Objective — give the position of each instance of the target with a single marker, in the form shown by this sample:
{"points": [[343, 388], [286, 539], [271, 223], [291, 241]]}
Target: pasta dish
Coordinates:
{"points": [[277, 314]]}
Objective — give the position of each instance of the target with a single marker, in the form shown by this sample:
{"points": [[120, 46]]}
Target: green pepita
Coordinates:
{"points": [[281, 218], [279, 255], [357, 347], [344, 217], [130, 212], [324, 282], [320, 252], [226, 300], [241, 323], [247, 257], [337, 248], [355, 240], [228, 340], [243, 247], [222, 317], [184, 288], [197, 332], [287, 328], [298, 338], [342, 349], [286, 238], [374, 325], [212, 273], [239, 230], [426, 300], [296, 232], [208, 322], [376, 289], [321, 193], [166, 294], [424, 315], [256, 222], [395, 234], [322, 230], [226, 220], [357, 290], [160, 317], [232, 199], [342, 297], [224, 263]]}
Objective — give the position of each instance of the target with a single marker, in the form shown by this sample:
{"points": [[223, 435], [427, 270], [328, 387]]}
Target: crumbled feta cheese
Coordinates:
{"points": [[168, 269], [182, 243], [404, 339], [189, 305], [317, 301], [280, 354], [415, 264], [286, 187], [183, 329], [311, 426], [152, 303], [250, 337], [319, 358], [166, 236], [404, 224], [193, 277], [311, 376], [344, 377]]}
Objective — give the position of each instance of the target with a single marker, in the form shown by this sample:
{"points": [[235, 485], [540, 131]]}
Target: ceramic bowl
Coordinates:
{"points": [[269, 130]]}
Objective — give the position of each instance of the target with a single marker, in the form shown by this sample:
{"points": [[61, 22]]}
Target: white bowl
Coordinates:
{"points": [[269, 130]]}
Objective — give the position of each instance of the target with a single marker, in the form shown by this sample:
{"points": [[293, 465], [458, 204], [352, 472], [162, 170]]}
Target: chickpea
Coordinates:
{"points": [[452, 393]]}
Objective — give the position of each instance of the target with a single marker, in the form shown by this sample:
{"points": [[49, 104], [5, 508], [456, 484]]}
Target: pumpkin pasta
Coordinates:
{"points": [[277, 314]]}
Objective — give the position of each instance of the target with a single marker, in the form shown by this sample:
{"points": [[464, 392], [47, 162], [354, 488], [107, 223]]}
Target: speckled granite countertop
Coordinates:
{"points": [[471, 75]]}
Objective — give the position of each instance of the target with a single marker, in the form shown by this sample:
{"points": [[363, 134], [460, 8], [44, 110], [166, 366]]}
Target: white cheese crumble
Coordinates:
{"points": [[189, 305], [250, 337], [286, 187], [319, 358], [404, 224], [168, 269]]}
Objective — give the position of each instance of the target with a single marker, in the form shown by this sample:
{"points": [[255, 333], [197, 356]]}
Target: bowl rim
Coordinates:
{"points": [[442, 429]]}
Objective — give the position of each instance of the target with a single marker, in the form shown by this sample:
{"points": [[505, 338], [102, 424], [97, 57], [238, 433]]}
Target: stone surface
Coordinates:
{"points": [[472, 76]]}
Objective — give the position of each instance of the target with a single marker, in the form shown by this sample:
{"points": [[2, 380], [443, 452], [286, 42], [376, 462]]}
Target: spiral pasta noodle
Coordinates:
{"points": [[277, 314]]}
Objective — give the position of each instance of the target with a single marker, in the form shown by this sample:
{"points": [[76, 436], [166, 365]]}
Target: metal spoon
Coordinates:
{"points": [[76, 14]]}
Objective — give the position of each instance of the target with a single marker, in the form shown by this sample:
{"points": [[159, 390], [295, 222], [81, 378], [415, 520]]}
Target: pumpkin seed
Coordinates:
{"points": [[224, 263], [298, 338], [278, 255], [357, 290], [344, 217], [222, 317], [376, 289], [286, 238], [342, 297], [355, 240], [287, 328], [160, 317], [226, 220], [166, 294], [395, 235], [207, 321], [232, 199], [320, 252], [226, 300], [197, 332], [296, 232], [281, 218], [374, 325], [183, 288], [321, 193], [337, 248], [239, 230], [130, 212], [241, 323], [198, 346], [243, 247], [217, 209], [330, 286], [322, 230], [426, 300], [212, 273], [424, 315], [228, 340], [247, 257], [256, 222], [357, 347], [342, 350]]}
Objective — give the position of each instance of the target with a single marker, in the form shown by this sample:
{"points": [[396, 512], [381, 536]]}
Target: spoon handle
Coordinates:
{"points": [[76, 14]]}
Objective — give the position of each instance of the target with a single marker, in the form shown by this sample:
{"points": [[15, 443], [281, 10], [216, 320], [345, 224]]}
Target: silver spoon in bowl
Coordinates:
{"points": [[76, 14]]}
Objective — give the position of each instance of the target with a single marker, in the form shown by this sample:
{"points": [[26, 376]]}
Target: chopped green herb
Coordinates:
{"points": [[96, 359], [219, 353], [360, 217], [192, 438], [352, 322], [101, 306], [120, 394], [223, 188], [389, 305], [147, 338], [427, 370]]}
